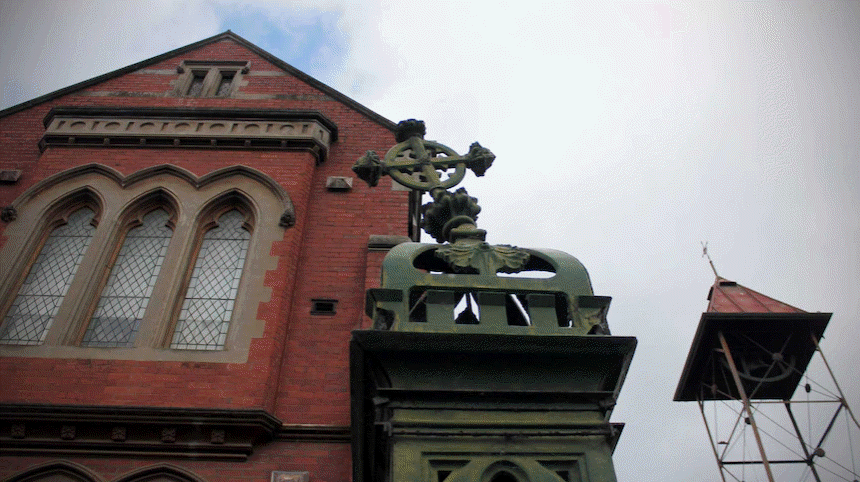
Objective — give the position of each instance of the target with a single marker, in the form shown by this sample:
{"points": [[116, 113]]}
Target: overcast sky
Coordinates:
{"points": [[625, 135]]}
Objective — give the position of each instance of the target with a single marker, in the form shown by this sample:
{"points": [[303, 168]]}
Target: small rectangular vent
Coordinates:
{"points": [[323, 307]]}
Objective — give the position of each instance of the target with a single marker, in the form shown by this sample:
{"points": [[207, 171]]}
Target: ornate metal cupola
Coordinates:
{"points": [[486, 362]]}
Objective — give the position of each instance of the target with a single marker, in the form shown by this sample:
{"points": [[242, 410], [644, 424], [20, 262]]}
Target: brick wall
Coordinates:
{"points": [[298, 370]]}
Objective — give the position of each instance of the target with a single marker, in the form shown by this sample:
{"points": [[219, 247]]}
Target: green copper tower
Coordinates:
{"points": [[486, 363]]}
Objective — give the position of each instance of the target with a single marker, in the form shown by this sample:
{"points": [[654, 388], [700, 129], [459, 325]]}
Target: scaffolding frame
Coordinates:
{"points": [[724, 356]]}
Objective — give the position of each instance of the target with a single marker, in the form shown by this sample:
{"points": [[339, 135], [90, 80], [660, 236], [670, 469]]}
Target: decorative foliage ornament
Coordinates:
{"points": [[448, 211], [483, 257]]}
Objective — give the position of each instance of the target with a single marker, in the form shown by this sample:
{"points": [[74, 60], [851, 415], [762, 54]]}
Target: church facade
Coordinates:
{"points": [[183, 256]]}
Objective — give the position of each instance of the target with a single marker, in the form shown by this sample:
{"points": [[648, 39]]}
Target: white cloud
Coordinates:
{"points": [[625, 134]]}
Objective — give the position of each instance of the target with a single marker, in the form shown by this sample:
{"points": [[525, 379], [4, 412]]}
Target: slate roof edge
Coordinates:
{"points": [[386, 123]]}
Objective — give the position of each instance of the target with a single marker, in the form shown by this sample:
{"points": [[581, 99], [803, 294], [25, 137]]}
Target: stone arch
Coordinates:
{"points": [[213, 177], [55, 214], [145, 202], [160, 473], [504, 471], [251, 173], [63, 176], [82, 195], [56, 471], [163, 169], [508, 469], [232, 196]]}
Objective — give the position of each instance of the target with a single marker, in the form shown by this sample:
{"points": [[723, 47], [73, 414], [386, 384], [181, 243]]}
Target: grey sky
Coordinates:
{"points": [[624, 134]]}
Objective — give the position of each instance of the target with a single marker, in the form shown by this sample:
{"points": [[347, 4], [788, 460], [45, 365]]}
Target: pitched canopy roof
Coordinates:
{"points": [[752, 323], [222, 36], [729, 297]]}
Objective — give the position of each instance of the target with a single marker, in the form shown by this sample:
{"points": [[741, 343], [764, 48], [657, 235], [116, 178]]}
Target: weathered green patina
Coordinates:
{"points": [[422, 285], [486, 363], [420, 164], [413, 154]]}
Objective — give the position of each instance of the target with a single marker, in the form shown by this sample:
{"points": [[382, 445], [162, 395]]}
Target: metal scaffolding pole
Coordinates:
{"points": [[711, 439], [746, 402], [809, 461], [833, 377]]}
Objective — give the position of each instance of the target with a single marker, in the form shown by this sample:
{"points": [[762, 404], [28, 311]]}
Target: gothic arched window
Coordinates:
{"points": [[208, 306], [124, 299], [32, 311], [163, 270], [61, 471]]}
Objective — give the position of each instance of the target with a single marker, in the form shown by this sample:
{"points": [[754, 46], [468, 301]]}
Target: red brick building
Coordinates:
{"points": [[184, 256]]}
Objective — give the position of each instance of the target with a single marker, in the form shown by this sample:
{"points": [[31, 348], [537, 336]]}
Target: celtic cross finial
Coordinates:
{"points": [[425, 166], [421, 164]]}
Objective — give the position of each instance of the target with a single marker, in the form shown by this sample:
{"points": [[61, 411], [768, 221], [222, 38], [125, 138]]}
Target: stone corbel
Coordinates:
{"points": [[288, 219], [8, 214]]}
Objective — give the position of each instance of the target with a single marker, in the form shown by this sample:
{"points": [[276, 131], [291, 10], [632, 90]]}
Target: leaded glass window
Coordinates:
{"points": [[224, 85], [39, 298], [124, 299], [196, 86], [208, 306]]}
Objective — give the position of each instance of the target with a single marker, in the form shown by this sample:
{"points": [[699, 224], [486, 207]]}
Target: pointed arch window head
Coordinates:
{"points": [[504, 476], [208, 306], [33, 310], [125, 297]]}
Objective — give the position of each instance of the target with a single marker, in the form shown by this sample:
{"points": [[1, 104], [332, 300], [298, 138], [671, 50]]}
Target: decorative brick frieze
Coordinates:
{"points": [[207, 128], [117, 434], [218, 436], [168, 435], [67, 432]]}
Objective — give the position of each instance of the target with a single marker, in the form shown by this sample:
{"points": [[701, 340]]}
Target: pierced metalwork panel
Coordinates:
{"points": [[126, 295], [39, 298], [208, 306]]}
